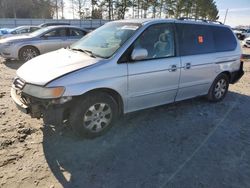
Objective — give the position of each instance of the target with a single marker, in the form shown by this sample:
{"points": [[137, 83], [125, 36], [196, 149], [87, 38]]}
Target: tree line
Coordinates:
{"points": [[27, 8], [109, 9]]}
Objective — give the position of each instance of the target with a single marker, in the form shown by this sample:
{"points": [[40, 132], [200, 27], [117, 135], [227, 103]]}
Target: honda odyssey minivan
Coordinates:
{"points": [[125, 66]]}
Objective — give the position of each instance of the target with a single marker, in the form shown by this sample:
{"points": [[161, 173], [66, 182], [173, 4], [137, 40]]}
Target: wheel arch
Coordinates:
{"points": [[113, 93], [25, 46], [210, 94], [228, 75]]}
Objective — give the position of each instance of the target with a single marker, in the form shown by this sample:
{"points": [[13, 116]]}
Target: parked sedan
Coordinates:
{"points": [[20, 30], [26, 47]]}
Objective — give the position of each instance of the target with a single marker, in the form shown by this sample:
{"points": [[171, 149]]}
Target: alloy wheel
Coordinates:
{"points": [[97, 117], [28, 54], [220, 88]]}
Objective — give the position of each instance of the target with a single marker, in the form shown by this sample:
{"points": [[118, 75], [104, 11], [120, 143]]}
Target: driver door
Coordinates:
{"points": [[154, 79], [52, 40]]}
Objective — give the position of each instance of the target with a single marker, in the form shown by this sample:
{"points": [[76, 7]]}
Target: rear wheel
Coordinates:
{"points": [[27, 53], [93, 115], [219, 88]]}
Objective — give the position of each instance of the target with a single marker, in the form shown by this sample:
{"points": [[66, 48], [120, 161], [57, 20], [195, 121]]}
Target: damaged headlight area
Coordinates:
{"points": [[42, 102], [44, 92]]}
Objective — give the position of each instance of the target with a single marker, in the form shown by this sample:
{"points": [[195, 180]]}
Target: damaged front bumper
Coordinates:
{"points": [[53, 111], [18, 101]]}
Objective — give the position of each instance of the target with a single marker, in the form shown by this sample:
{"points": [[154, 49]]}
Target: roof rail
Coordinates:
{"points": [[201, 20]]}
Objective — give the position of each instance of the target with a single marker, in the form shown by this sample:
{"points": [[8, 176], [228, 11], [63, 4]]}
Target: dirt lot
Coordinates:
{"points": [[192, 143]]}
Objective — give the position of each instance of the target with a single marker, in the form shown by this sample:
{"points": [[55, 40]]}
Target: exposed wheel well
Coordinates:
{"points": [[19, 52], [228, 75], [114, 94]]}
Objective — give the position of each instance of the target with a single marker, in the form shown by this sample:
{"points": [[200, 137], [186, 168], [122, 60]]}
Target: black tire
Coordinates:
{"points": [[242, 37], [219, 88], [83, 110], [28, 52], [7, 60]]}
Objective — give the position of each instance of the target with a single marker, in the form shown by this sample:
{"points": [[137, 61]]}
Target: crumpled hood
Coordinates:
{"points": [[47, 67]]}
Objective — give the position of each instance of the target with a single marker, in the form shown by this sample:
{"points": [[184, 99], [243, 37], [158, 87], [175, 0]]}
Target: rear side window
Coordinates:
{"points": [[195, 39], [76, 33], [224, 39]]}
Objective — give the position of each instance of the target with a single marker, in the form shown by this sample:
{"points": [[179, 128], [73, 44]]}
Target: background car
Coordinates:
{"points": [[53, 24], [4, 31], [246, 42], [25, 47], [245, 34], [20, 30], [238, 32]]}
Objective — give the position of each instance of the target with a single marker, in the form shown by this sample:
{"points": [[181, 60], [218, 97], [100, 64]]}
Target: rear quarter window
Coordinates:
{"points": [[195, 39], [224, 39]]}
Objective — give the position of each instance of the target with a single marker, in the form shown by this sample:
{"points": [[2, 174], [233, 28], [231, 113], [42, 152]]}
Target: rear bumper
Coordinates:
{"points": [[236, 76]]}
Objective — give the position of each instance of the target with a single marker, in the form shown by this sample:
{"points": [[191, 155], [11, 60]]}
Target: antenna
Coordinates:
{"points": [[225, 16]]}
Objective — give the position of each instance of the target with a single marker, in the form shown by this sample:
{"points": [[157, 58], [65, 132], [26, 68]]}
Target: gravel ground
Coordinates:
{"points": [[192, 143]]}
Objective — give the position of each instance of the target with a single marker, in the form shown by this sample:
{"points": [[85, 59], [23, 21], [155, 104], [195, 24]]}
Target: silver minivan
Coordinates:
{"points": [[126, 66]]}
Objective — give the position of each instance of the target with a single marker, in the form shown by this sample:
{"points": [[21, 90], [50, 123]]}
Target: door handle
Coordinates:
{"points": [[173, 68], [187, 66]]}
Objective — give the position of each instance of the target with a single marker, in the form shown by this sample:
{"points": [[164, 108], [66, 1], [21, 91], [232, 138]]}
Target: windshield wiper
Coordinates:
{"points": [[88, 52]]}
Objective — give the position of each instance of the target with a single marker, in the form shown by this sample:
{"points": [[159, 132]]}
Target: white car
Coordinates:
{"points": [[245, 34], [246, 42], [238, 33]]}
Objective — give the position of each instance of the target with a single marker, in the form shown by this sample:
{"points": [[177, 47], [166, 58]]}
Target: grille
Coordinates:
{"points": [[18, 83]]}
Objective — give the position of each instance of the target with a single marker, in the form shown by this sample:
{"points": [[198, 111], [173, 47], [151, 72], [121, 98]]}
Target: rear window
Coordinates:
{"points": [[195, 39], [224, 39]]}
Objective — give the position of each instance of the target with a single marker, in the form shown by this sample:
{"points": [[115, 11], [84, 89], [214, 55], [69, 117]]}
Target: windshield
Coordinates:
{"points": [[104, 41], [39, 32]]}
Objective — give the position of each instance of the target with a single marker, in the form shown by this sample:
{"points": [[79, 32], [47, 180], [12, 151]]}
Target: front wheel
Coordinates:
{"points": [[93, 115], [219, 88], [27, 53]]}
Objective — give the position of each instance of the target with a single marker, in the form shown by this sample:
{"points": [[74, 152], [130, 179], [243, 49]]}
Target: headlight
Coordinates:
{"points": [[43, 92], [8, 44]]}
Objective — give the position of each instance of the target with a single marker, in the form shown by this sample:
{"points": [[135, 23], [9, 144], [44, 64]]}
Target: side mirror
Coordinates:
{"points": [[139, 54]]}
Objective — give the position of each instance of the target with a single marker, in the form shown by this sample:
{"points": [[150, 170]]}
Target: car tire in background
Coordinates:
{"points": [[28, 52], [219, 88], [242, 37], [93, 115]]}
